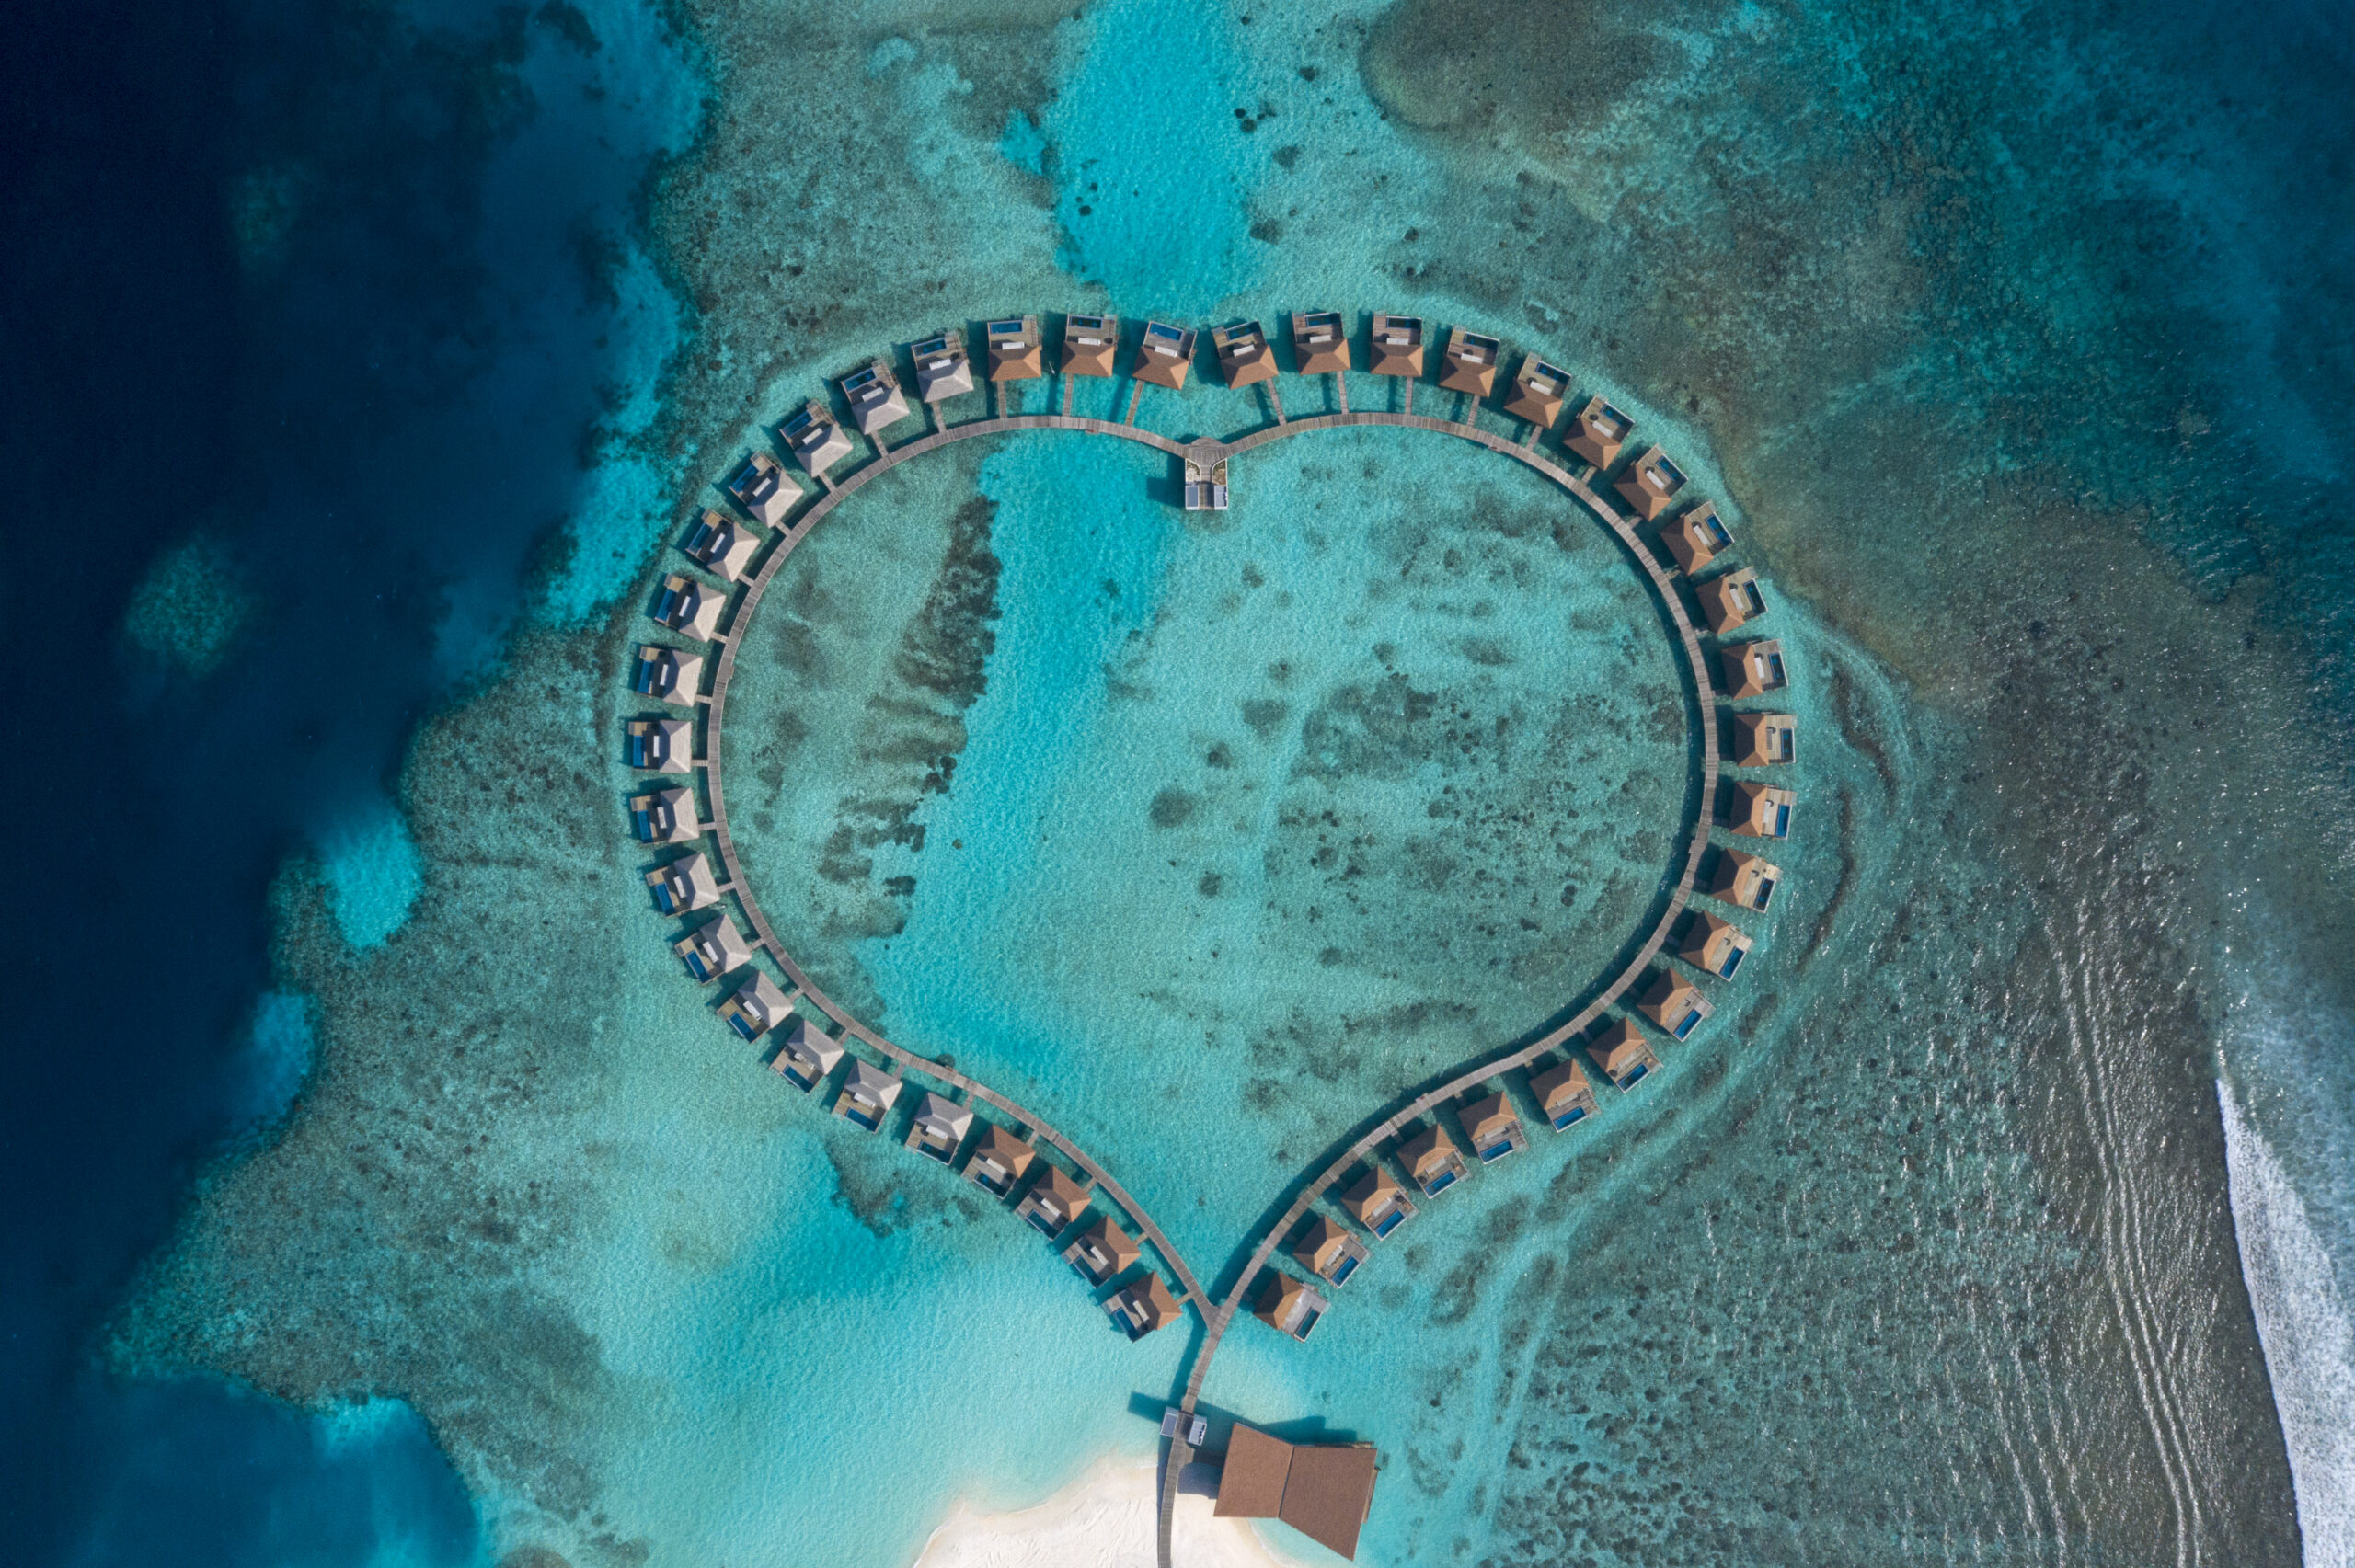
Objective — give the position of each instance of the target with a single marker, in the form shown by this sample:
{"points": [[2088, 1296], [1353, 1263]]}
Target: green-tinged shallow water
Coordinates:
{"points": [[1210, 836]]}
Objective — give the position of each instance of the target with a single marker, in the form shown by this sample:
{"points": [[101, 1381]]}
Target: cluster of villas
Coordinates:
{"points": [[1595, 440]]}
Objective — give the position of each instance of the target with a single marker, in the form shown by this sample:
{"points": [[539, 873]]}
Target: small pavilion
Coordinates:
{"points": [[1650, 484], [1142, 1305], [942, 368], [1017, 349], [1730, 599], [1288, 1304], [660, 745], [998, 1159], [1696, 536], [1101, 1250], [939, 1128], [1397, 344], [1091, 345], [1243, 357], [867, 1095], [1494, 1129], [1538, 391], [1597, 432], [875, 397], [1164, 356], [816, 440], [665, 816], [1432, 1159], [690, 606], [1053, 1201], [1320, 342]]}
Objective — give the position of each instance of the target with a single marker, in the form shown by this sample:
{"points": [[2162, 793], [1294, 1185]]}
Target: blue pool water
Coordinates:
{"points": [[425, 1215]]}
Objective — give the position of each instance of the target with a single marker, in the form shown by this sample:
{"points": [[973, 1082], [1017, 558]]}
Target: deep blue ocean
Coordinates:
{"points": [[378, 341]]}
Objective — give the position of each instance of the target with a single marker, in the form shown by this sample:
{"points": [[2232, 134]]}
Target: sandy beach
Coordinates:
{"points": [[1105, 1519]]}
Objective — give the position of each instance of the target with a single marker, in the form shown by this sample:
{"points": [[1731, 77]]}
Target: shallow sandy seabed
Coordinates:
{"points": [[1105, 1519]]}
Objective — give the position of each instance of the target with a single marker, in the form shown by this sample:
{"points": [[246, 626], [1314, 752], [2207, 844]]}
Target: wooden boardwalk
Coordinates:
{"points": [[1219, 1316]]}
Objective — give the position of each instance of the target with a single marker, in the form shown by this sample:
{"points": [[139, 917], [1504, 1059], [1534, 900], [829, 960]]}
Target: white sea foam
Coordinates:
{"points": [[2308, 1333]]}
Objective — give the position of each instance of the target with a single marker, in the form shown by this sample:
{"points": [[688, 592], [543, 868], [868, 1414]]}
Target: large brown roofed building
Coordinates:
{"points": [[1696, 536], [1730, 599], [1378, 1203], [1397, 344], [1538, 392], [1091, 345], [1243, 357], [1322, 1490], [1764, 740], [1624, 1055], [1652, 484], [1752, 670], [1743, 880], [1762, 811], [1597, 432], [1320, 342], [1164, 356], [1468, 363], [1018, 352], [1713, 945]]}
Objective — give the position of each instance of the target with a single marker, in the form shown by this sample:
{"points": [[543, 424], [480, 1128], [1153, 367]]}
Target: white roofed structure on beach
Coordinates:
{"points": [[713, 949]]}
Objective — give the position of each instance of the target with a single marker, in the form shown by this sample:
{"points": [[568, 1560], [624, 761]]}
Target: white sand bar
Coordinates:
{"points": [[1105, 1519]]}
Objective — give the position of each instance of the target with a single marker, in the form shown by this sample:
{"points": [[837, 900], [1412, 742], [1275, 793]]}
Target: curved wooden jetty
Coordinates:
{"points": [[1216, 1316]]}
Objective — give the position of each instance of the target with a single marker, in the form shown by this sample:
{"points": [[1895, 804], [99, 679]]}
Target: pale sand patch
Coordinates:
{"points": [[1105, 1519]]}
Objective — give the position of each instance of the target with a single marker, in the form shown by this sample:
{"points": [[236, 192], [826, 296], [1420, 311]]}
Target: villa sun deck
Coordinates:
{"points": [[1288, 1304], [1243, 357], [815, 440], [807, 1055], [867, 1095], [1320, 342], [1744, 880], [690, 607], [943, 369], [713, 949], [721, 545], [1053, 1201], [1091, 345], [1597, 432], [1397, 344], [1494, 1129], [1101, 1250], [1713, 945], [684, 884], [1764, 740], [1431, 1158], [1651, 484], [1164, 356], [1624, 1055], [1539, 391], [1468, 363], [756, 1006], [1378, 1203], [876, 398], [939, 1129], [1017, 350], [1730, 599], [763, 487], [659, 745], [1330, 1250], [1762, 811], [668, 675], [1676, 1005], [998, 1161], [1144, 1305], [1752, 670], [665, 816], [1563, 1093], [1696, 536]]}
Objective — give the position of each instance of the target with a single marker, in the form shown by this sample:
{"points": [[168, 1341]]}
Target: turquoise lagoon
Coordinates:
{"points": [[1210, 836]]}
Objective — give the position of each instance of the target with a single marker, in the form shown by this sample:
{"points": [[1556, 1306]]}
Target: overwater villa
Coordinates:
{"points": [[1494, 1129], [1752, 670], [1378, 1203], [815, 440], [1397, 344], [1091, 345], [1320, 342], [1053, 1200], [807, 1055], [998, 1159], [1289, 1304], [668, 675], [682, 885], [875, 397], [1468, 363], [1164, 356], [1675, 1003], [1142, 1305], [659, 745], [1539, 391], [867, 1095], [1714, 945], [763, 487], [665, 816], [939, 1128], [755, 1007], [1323, 1490], [1650, 484], [721, 545], [1597, 432], [1101, 1250], [690, 606], [1017, 349], [1330, 1250], [1694, 536], [1762, 811], [1243, 357], [1743, 880], [1563, 1094], [713, 949], [1624, 1055], [1731, 598], [1764, 740], [942, 368], [1433, 1161]]}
